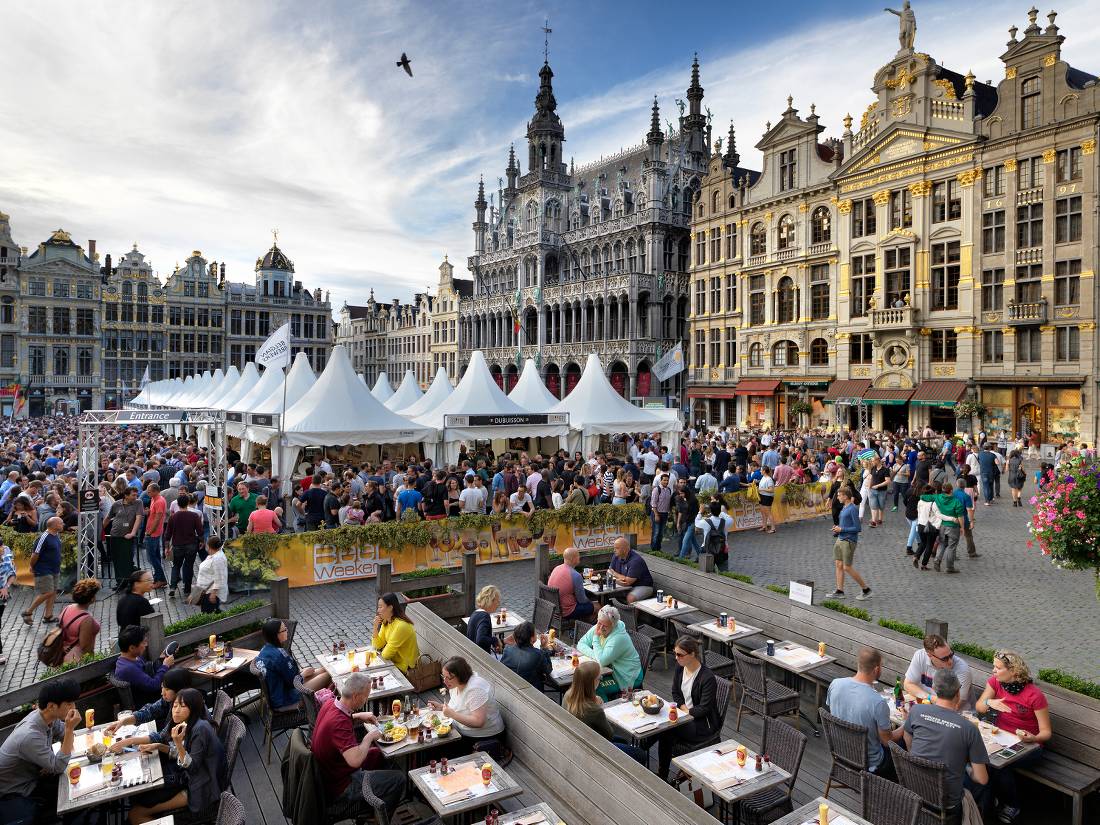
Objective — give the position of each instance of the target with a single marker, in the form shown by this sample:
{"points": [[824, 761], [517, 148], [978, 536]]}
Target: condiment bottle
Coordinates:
{"points": [[759, 763]]}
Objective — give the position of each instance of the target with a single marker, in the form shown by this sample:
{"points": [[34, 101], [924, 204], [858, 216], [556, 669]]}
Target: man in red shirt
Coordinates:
{"points": [[570, 586], [155, 515], [346, 762]]}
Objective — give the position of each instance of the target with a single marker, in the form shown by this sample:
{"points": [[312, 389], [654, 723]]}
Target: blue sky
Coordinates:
{"points": [[203, 125]]}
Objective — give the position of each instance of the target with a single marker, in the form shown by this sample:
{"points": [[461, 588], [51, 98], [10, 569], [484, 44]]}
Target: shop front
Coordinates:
{"points": [[890, 408], [761, 405], [844, 397], [937, 400], [712, 406], [1053, 412], [807, 390]]}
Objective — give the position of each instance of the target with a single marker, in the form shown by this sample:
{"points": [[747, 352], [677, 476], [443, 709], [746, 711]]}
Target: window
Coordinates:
{"points": [[901, 209], [85, 323], [60, 360], [1068, 164], [756, 300], [1029, 173], [142, 313], [993, 346], [127, 313], [1067, 344], [36, 287], [731, 241], [785, 354], [819, 353], [83, 290], [701, 297], [631, 257], [234, 322], [157, 315], [1029, 283], [945, 275], [61, 320], [862, 350], [863, 284], [700, 248], [993, 181], [716, 294], [758, 239], [731, 346], [175, 315], [1067, 219], [946, 201], [60, 288], [945, 345], [700, 348], [7, 351], [307, 327], [731, 292], [84, 361], [716, 243], [216, 318], [204, 289], [1067, 283], [1029, 345], [1030, 107], [756, 355], [863, 218], [821, 225], [7, 310], [37, 356], [787, 169], [897, 264], [715, 346], [819, 292], [993, 231], [785, 235], [1029, 226], [786, 303], [189, 289], [993, 290], [250, 323], [36, 320]]}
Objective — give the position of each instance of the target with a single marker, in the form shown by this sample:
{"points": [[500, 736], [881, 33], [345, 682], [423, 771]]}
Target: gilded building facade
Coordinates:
{"points": [[445, 319], [196, 317], [957, 263], [134, 336]]}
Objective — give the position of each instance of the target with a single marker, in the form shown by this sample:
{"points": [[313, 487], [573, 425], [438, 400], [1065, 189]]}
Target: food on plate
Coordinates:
{"points": [[652, 701]]}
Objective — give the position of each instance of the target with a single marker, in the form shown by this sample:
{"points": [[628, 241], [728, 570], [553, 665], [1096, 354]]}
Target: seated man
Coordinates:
{"points": [[630, 570], [570, 586], [938, 732], [28, 765], [936, 655], [346, 762], [133, 642], [854, 699], [610, 645]]}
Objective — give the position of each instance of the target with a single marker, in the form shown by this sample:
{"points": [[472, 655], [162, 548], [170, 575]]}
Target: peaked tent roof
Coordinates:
{"points": [[226, 390], [436, 395], [184, 386], [214, 388], [248, 380], [596, 409], [407, 394], [298, 382], [382, 389], [340, 410], [199, 388], [530, 393], [270, 381], [363, 378]]}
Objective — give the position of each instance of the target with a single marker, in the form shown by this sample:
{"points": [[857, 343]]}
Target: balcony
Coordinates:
{"points": [[64, 380], [1032, 312], [1026, 197], [1030, 255], [787, 254], [757, 260], [823, 248], [894, 318]]}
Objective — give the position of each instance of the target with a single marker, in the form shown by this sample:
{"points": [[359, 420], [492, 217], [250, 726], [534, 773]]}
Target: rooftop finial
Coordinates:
{"points": [[1012, 30], [848, 122], [1032, 25], [274, 237], [1051, 28], [546, 40]]}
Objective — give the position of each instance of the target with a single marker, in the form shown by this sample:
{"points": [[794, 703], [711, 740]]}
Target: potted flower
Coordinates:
{"points": [[1066, 522]]}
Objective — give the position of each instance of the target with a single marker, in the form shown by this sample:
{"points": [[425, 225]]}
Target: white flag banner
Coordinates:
{"points": [[275, 351], [145, 377], [671, 363]]}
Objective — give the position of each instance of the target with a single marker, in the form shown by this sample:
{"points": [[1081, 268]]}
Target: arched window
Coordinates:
{"points": [[553, 216], [127, 289], [819, 353], [756, 355], [529, 217], [758, 239], [631, 257], [142, 291], [785, 301], [785, 354], [606, 259], [732, 201], [585, 270], [785, 236], [821, 225], [714, 202], [618, 256]]}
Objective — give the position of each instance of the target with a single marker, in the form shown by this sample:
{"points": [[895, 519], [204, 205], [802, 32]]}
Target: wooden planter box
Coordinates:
{"points": [[450, 605]]}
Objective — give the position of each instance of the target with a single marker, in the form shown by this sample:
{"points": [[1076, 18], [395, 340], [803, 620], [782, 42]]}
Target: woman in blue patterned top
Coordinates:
{"points": [[7, 578]]}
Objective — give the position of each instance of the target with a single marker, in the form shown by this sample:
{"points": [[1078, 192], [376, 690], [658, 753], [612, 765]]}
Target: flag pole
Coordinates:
{"points": [[282, 433]]}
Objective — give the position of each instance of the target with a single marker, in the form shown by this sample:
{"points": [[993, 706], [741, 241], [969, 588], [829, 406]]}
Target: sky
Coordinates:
{"points": [[205, 125]]}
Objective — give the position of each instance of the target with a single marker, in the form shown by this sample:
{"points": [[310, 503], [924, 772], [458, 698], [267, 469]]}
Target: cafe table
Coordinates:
{"points": [[218, 670], [661, 610], [602, 592], [797, 660], [723, 635], [82, 739], [541, 814], [512, 620], [716, 768], [394, 682], [140, 773], [409, 747], [340, 664], [561, 664], [808, 813], [462, 789], [627, 716]]}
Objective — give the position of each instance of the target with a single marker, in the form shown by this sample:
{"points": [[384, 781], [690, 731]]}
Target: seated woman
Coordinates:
{"points": [[79, 627], [472, 705], [394, 636], [280, 668], [581, 700], [694, 690], [479, 630], [195, 770], [610, 645], [525, 659], [1021, 708]]}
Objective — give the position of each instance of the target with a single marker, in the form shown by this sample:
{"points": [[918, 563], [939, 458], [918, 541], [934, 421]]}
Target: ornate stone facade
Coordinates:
{"points": [[134, 335]]}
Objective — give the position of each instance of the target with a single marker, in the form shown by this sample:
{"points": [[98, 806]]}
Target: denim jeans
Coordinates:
{"points": [[689, 542], [659, 520], [911, 540], [987, 488], [152, 553], [901, 490]]}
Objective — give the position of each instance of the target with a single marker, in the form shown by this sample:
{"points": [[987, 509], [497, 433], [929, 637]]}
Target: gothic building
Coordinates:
{"points": [[570, 260]]}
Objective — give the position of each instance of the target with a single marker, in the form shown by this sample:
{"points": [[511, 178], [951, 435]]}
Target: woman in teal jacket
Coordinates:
{"points": [[610, 645]]}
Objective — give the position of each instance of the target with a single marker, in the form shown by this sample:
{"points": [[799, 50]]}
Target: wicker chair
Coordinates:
{"points": [[887, 803], [582, 629], [925, 778], [719, 664], [561, 624], [543, 619], [338, 810], [722, 699], [848, 748], [274, 721], [786, 745], [759, 694], [630, 617], [234, 735], [125, 692], [230, 810], [309, 701], [222, 705], [642, 644]]}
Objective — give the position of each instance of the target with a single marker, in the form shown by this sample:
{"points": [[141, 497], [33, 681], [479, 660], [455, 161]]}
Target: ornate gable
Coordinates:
{"points": [[902, 143]]}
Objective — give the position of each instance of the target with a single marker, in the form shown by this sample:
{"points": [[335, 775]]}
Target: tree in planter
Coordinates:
{"points": [[1066, 522], [803, 409]]}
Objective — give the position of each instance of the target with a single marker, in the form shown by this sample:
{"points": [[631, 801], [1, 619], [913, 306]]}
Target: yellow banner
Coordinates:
{"points": [[792, 502]]}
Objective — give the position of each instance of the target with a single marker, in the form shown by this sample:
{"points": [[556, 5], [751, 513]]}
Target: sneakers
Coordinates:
{"points": [[893, 509], [866, 594], [836, 594]]}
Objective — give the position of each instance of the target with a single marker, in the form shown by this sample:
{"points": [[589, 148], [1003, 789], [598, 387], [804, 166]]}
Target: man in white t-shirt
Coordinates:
{"points": [[472, 498], [936, 654], [766, 440], [650, 460]]}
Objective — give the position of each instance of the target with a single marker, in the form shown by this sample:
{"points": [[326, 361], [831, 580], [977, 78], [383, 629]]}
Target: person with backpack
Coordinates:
{"points": [[46, 566], [716, 524], [77, 629]]}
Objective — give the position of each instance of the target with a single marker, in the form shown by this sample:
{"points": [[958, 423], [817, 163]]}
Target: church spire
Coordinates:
{"points": [[731, 158], [694, 126], [545, 133], [512, 172], [695, 90], [655, 135]]}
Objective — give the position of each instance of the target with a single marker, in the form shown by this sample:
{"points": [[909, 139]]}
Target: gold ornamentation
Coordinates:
{"points": [[899, 232], [843, 336], [1088, 146], [925, 331], [943, 370], [901, 106], [1067, 312], [1049, 155], [803, 207], [847, 122], [1006, 330], [992, 317], [1087, 273], [948, 88], [903, 78], [921, 189], [865, 120], [1046, 328], [1010, 72], [1010, 165], [861, 372], [1087, 327], [882, 197], [844, 207], [968, 177], [1050, 60], [966, 330], [768, 217]]}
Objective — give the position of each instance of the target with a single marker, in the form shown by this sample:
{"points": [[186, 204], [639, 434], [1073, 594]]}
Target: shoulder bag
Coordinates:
{"points": [[425, 674]]}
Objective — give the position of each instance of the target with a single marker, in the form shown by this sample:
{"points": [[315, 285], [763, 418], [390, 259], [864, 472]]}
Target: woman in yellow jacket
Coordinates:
{"points": [[394, 635]]}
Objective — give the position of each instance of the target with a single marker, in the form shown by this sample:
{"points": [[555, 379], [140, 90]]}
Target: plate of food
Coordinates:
{"points": [[393, 733]]}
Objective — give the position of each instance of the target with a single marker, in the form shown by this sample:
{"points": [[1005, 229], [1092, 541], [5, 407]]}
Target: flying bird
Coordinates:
{"points": [[404, 62]]}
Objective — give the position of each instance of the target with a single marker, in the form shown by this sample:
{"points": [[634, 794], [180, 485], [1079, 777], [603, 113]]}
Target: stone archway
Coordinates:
{"points": [[498, 376], [619, 378], [511, 376], [572, 376], [553, 380]]}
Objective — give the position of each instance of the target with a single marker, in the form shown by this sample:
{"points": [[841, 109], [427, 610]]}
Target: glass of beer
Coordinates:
{"points": [[89, 718]]}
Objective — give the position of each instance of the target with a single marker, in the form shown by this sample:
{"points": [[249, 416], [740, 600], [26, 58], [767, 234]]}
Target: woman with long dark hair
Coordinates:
{"points": [[132, 604], [280, 668], [394, 636]]}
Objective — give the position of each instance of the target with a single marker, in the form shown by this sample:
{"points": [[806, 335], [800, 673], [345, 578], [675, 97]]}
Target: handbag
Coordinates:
{"points": [[197, 593], [694, 790], [425, 674]]}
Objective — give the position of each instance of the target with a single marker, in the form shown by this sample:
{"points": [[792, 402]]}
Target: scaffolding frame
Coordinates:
{"points": [[841, 409], [92, 421]]}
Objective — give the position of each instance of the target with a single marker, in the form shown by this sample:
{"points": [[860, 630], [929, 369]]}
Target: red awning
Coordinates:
{"points": [[846, 388], [711, 392], [757, 387]]}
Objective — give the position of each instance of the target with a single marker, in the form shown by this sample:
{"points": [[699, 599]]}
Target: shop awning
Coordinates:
{"points": [[757, 387], [816, 383], [938, 393], [711, 392], [884, 397], [846, 388]]}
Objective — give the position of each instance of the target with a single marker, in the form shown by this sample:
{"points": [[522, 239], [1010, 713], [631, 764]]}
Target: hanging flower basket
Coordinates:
{"points": [[1066, 523], [970, 409]]}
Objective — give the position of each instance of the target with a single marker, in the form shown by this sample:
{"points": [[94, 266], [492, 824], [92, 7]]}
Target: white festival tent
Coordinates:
{"points": [[596, 409], [268, 383], [298, 381], [338, 410], [382, 389], [249, 378], [407, 394], [478, 394], [529, 391], [182, 387], [198, 393], [200, 386], [436, 395], [363, 378], [219, 388]]}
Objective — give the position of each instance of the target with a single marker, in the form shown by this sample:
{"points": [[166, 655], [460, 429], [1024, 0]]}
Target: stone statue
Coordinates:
{"points": [[907, 26]]}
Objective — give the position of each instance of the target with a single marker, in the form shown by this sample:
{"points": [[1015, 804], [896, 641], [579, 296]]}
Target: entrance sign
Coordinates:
{"points": [[153, 417]]}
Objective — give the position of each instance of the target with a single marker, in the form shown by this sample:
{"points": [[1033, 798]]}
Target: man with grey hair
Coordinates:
{"points": [[570, 586], [349, 766], [938, 732], [610, 645]]}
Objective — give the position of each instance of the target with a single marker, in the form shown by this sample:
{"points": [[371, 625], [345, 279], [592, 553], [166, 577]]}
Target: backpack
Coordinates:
{"points": [[51, 652], [716, 541]]}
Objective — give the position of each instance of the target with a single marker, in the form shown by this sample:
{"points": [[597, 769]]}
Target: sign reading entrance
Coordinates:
{"points": [[519, 420], [152, 417]]}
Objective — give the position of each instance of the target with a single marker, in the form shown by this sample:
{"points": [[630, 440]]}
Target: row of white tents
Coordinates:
{"points": [[337, 408]]}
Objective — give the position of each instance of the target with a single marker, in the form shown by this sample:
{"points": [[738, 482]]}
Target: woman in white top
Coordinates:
{"points": [[619, 488], [213, 575], [864, 489], [472, 704], [555, 494], [766, 487]]}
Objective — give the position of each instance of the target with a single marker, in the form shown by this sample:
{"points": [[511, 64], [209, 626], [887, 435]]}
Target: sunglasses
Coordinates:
{"points": [[679, 654], [947, 658]]}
